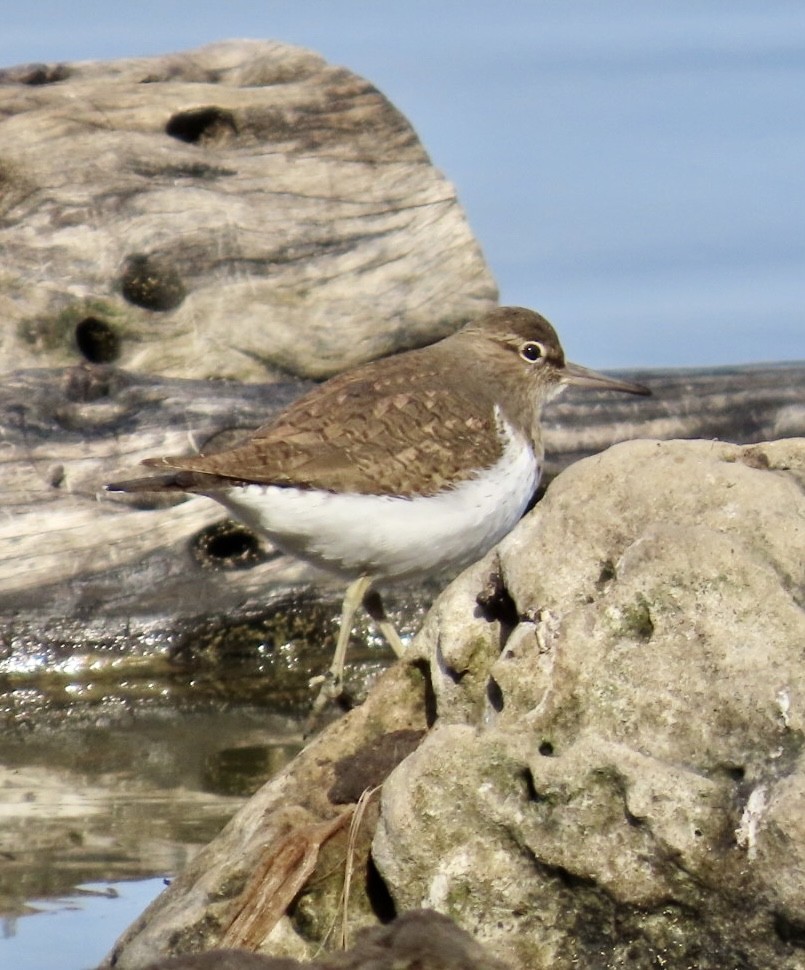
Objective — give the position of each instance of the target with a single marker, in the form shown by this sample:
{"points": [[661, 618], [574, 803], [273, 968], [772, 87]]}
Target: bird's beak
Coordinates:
{"points": [[578, 376]]}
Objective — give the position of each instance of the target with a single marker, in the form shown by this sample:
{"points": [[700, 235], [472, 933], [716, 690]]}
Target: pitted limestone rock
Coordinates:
{"points": [[632, 786]]}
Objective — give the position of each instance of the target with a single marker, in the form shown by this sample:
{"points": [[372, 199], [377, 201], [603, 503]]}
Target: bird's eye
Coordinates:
{"points": [[532, 351]]}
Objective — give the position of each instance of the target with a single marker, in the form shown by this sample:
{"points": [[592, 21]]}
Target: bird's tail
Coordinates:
{"points": [[179, 481]]}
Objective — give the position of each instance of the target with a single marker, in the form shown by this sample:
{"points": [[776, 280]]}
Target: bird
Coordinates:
{"points": [[402, 467]]}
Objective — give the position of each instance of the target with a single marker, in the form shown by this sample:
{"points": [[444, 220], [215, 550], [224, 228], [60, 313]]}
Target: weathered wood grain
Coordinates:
{"points": [[241, 210]]}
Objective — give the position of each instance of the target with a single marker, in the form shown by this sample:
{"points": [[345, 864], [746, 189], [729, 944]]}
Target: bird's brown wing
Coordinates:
{"points": [[373, 430]]}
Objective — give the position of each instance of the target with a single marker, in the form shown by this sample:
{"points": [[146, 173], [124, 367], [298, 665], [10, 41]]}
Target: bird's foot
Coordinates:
{"points": [[331, 685], [331, 692]]}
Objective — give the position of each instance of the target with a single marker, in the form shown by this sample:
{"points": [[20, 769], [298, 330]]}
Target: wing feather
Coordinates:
{"points": [[373, 430]]}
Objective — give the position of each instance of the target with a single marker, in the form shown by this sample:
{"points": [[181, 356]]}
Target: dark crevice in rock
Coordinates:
{"points": [[736, 773], [495, 695], [789, 931], [606, 576], [429, 703], [496, 605], [572, 880], [456, 676], [377, 892], [633, 820], [542, 488], [527, 777]]}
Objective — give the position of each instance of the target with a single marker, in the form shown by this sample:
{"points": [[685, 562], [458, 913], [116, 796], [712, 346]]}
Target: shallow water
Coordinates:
{"points": [[118, 762], [74, 932]]}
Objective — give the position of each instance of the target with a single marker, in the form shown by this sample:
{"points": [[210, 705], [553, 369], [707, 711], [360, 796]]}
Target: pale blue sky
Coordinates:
{"points": [[635, 171]]}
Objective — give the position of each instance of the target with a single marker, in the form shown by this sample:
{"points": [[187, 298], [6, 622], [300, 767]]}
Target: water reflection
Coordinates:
{"points": [[124, 791], [74, 932], [122, 753], [125, 749]]}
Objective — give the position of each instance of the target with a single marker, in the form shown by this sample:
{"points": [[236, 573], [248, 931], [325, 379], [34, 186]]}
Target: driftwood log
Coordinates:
{"points": [[241, 210], [71, 550]]}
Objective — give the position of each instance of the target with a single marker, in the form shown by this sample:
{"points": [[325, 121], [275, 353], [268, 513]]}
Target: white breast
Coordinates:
{"points": [[388, 536]]}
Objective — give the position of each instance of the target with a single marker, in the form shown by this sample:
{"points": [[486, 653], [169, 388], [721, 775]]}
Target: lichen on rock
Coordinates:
{"points": [[607, 802]]}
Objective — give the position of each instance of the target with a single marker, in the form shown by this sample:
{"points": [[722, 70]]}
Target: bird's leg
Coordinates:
{"points": [[373, 604], [332, 681]]}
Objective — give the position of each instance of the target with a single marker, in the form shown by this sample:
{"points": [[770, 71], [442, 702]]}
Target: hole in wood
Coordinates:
{"points": [[97, 341], [151, 282], [202, 126], [227, 545]]}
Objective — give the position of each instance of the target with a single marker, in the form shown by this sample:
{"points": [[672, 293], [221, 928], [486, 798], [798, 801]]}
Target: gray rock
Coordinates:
{"points": [[419, 940], [623, 781], [613, 772], [241, 210]]}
